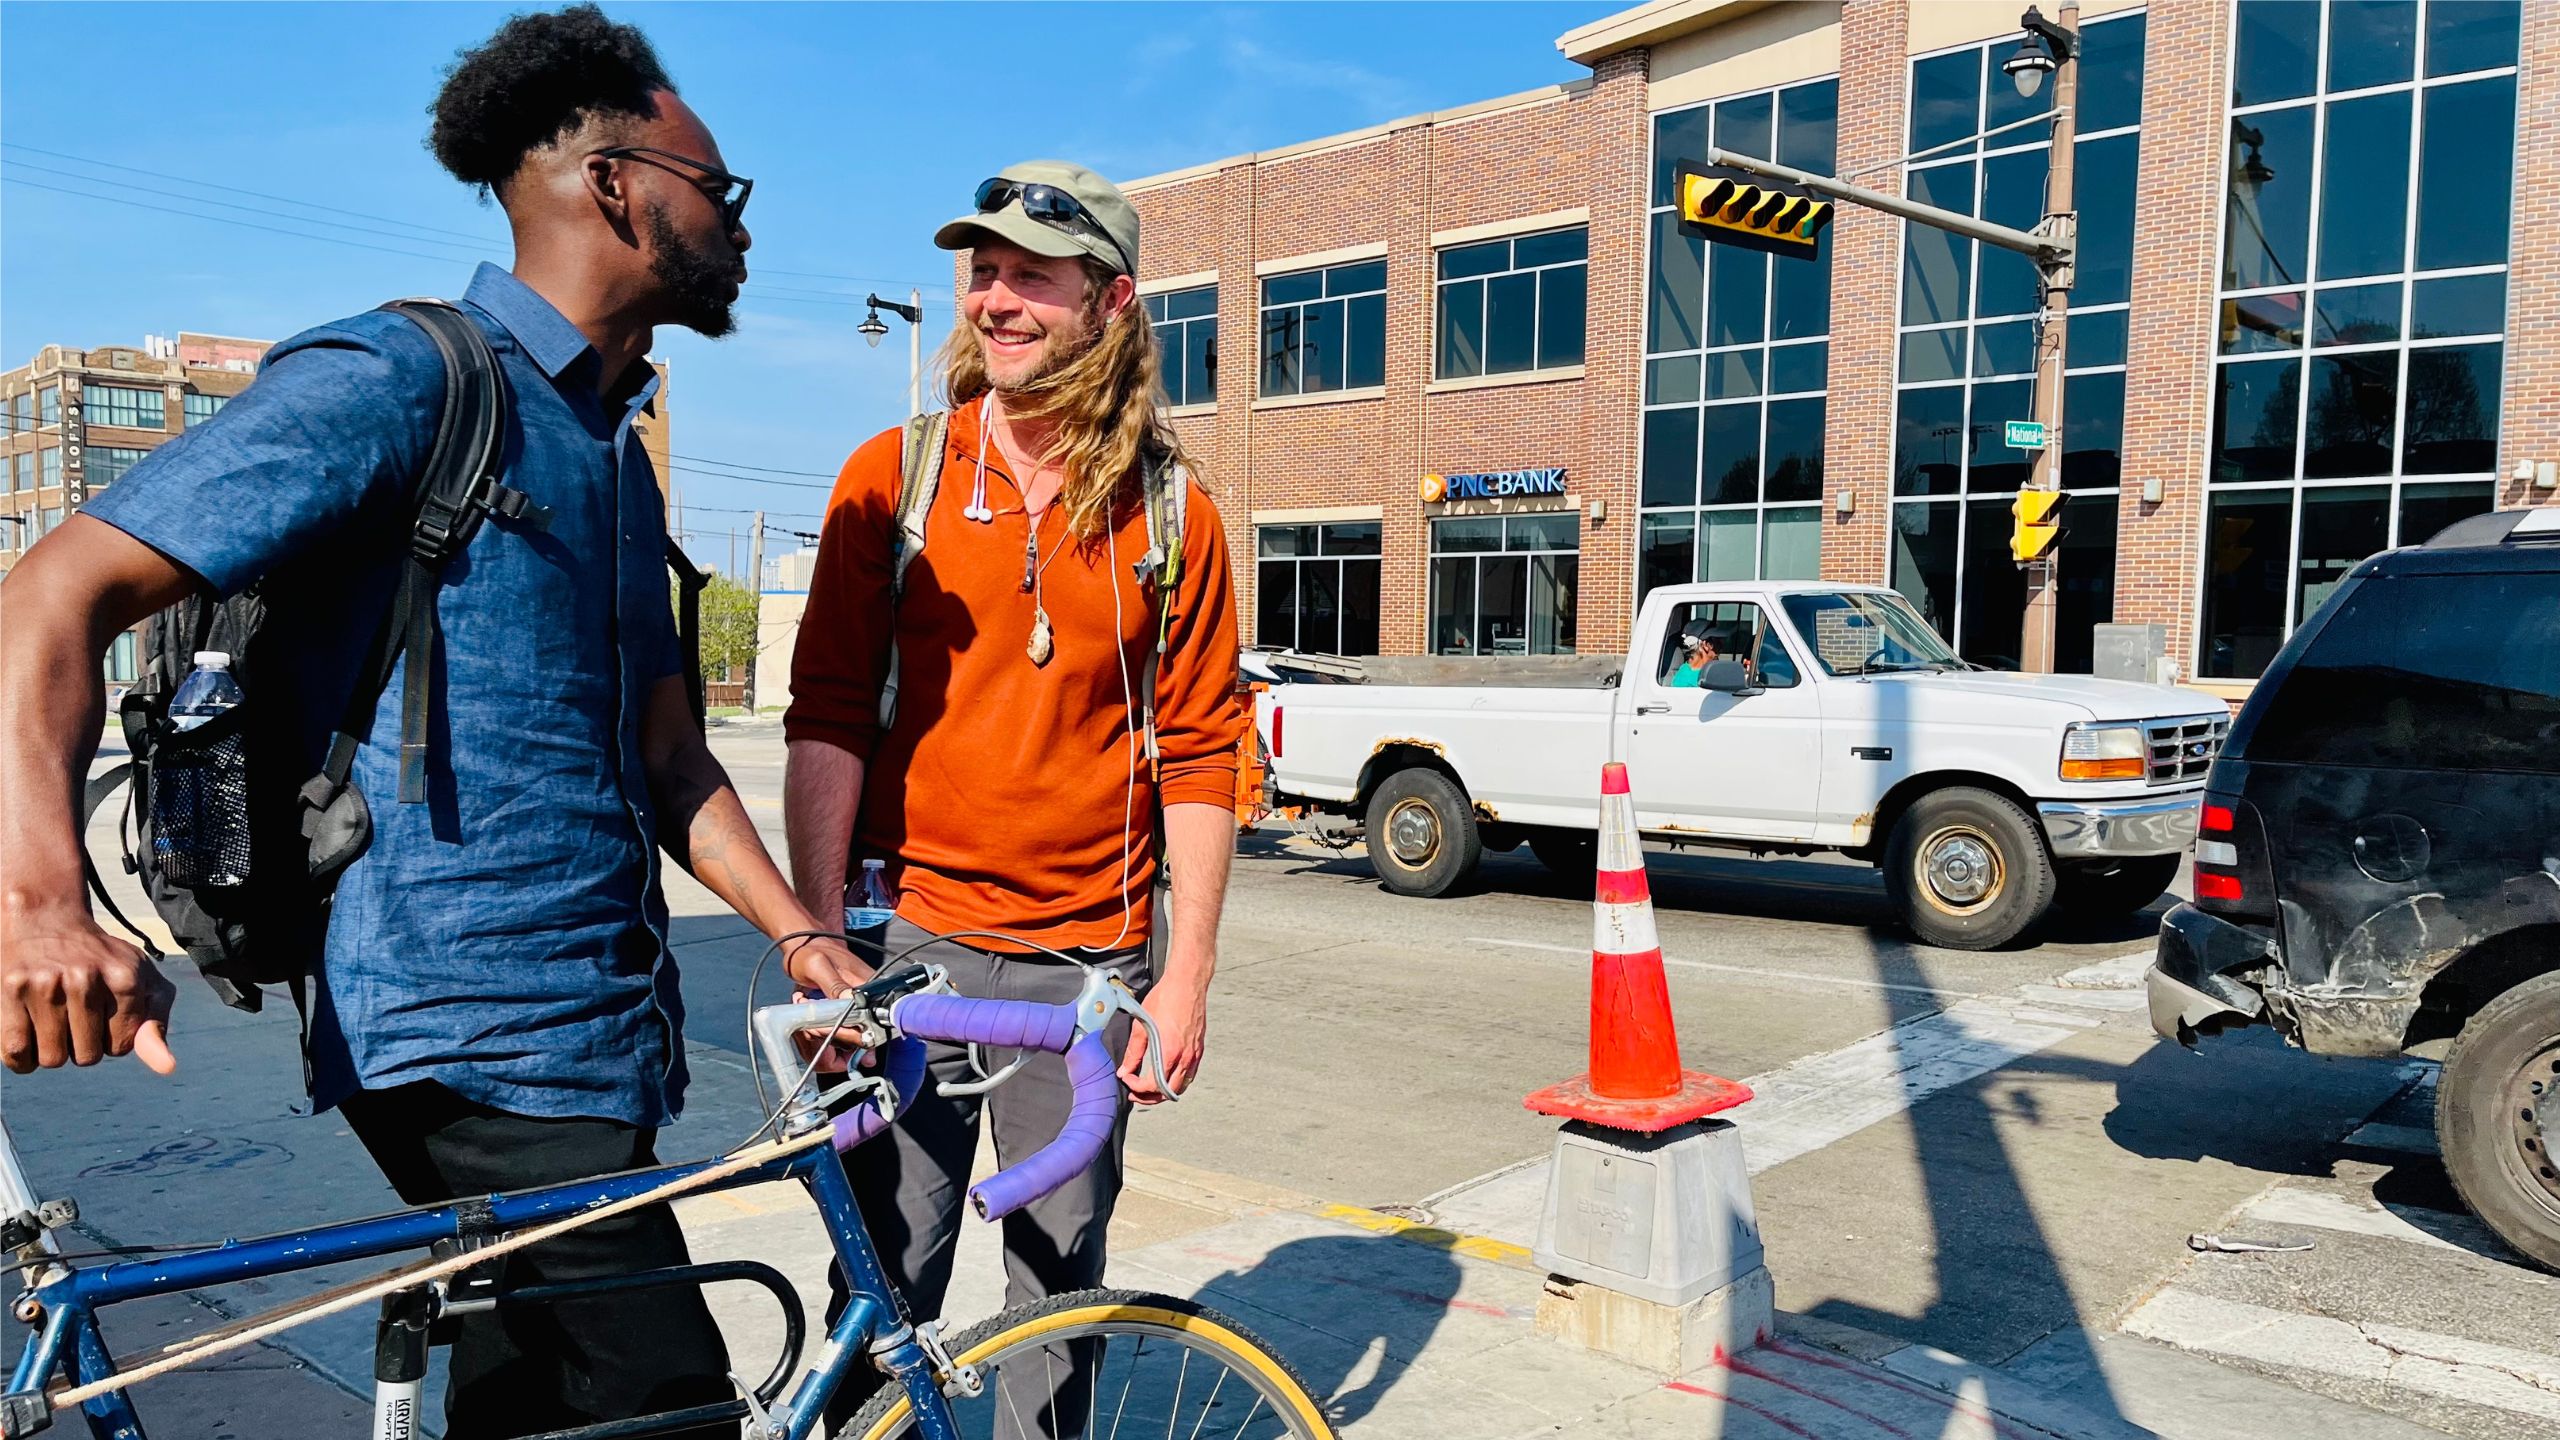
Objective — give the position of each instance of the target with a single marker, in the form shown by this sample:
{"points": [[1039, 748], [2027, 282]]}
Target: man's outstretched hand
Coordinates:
{"points": [[1181, 1012], [71, 994]]}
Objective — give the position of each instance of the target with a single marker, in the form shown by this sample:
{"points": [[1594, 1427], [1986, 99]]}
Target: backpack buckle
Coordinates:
{"points": [[516, 505]]}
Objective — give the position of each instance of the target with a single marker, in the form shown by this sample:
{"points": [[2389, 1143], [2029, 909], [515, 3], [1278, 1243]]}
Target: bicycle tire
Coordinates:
{"points": [[1109, 1314]]}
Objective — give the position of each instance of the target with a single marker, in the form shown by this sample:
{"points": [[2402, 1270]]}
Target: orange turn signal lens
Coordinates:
{"points": [[2124, 769]]}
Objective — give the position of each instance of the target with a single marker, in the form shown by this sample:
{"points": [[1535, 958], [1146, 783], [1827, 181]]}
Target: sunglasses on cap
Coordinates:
{"points": [[1051, 206], [734, 189]]}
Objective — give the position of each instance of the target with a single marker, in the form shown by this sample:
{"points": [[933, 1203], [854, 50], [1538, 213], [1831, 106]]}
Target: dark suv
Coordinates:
{"points": [[2377, 867]]}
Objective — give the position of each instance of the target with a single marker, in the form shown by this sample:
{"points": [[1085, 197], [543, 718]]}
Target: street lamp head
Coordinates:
{"points": [[2029, 65], [871, 329]]}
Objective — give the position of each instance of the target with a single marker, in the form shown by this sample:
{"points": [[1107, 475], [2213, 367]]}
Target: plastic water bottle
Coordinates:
{"points": [[207, 691], [200, 792], [869, 905]]}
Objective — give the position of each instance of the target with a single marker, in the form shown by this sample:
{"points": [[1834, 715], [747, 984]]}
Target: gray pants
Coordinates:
{"points": [[912, 1183]]}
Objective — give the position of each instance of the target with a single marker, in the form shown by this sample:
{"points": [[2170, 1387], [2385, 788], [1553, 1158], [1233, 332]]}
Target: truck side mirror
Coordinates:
{"points": [[1728, 676]]}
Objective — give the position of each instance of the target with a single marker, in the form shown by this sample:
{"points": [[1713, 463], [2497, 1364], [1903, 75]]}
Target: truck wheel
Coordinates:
{"points": [[1571, 854], [1968, 869], [2106, 889], [2498, 1116], [1422, 834]]}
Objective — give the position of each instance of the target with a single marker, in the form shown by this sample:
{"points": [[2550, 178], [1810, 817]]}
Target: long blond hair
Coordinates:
{"points": [[1105, 407]]}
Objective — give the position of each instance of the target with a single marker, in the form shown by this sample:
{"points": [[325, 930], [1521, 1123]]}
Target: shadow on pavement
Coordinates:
{"points": [[1377, 1300]]}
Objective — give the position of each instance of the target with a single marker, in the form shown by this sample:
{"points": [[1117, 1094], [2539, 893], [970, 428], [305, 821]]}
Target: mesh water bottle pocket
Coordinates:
{"points": [[200, 813]]}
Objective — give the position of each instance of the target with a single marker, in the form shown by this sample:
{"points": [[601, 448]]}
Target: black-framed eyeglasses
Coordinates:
{"points": [[734, 189], [1051, 206]]}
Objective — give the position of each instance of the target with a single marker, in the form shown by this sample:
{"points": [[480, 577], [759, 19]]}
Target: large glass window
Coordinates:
{"points": [[49, 405], [200, 407], [123, 663], [2369, 189], [126, 406], [1504, 584], [1737, 362], [22, 409], [106, 464], [1186, 324], [49, 466], [1325, 330], [1968, 325], [1513, 305], [1317, 587], [22, 470]]}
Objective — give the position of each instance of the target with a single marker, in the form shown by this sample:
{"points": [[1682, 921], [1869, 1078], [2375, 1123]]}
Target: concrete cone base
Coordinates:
{"points": [[1666, 1339]]}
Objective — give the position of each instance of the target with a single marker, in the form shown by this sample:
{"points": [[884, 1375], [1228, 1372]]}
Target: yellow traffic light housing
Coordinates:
{"points": [[1734, 207], [2039, 525]]}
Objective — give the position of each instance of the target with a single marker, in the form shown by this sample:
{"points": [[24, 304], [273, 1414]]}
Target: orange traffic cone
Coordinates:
{"points": [[1635, 1081]]}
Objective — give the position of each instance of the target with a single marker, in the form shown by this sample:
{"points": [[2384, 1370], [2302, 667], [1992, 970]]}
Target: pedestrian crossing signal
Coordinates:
{"points": [[2038, 514], [1735, 207]]}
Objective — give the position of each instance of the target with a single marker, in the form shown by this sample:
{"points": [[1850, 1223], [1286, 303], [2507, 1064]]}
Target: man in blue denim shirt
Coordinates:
{"points": [[497, 1005]]}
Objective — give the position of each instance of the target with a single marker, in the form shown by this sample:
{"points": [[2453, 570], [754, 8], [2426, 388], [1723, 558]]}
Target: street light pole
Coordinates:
{"points": [[872, 328], [2044, 575]]}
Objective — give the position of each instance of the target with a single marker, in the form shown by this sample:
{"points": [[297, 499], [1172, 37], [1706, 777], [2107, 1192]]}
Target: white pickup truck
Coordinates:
{"points": [[1825, 718]]}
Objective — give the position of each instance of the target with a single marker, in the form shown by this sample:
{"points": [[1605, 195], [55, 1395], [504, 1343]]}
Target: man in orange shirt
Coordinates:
{"points": [[1010, 787]]}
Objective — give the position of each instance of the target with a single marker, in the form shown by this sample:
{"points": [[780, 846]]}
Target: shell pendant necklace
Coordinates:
{"points": [[1043, 642]]}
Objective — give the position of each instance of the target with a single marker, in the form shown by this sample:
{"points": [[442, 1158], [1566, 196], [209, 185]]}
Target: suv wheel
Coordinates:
{"points": [[2105, 889], [1967, 869], [2498, 1117], [1422, 834]]}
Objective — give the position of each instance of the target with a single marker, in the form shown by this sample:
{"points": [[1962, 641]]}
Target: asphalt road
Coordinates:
{"points": [[2017, 1185], [1983, 1152]]}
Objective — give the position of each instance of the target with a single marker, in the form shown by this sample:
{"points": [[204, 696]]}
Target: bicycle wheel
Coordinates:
{"points": [[1103, 1364]]}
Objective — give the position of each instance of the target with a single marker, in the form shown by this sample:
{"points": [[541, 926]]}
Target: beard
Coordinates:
{"points": [[700, 288], [1058, 350]]}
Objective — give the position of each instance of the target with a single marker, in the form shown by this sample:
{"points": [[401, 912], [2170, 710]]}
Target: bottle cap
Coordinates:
{"points": [[213, 659], [875, 864]]}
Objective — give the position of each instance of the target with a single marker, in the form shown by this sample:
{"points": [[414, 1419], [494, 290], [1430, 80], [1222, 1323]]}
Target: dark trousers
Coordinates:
{"points": [[517, 1371], [912, 1182]]}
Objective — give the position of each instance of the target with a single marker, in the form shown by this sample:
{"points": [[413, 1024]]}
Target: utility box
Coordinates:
{"points": [[2133, 652]]}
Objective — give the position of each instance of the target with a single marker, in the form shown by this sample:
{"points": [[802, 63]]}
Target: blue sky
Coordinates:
{"points": [[863, 125]]}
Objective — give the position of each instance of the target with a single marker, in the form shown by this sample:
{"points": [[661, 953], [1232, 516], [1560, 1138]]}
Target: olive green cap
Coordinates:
{"points": [[1116, 244]]}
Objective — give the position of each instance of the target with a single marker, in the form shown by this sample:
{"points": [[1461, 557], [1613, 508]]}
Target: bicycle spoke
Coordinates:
{"points": [[1020, 1430], [1173, 1412], [1093, 1391], [1248, 1416], [1132, 1379], [1209, 1405]]}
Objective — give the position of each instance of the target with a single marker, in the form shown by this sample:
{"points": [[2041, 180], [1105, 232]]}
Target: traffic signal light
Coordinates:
{"points": [[2039, 524], [1736, 207]]}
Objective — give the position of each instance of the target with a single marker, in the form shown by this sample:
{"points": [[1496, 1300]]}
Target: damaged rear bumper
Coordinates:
{"points": [[2207, 975]]}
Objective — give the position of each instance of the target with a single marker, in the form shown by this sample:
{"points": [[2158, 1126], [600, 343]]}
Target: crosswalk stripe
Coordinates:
{"points": [[2323, 1210], [2518, 1381]]}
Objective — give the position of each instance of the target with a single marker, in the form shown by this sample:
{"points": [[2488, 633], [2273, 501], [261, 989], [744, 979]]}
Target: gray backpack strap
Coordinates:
{"points": [[1166, 499], [919, 475]]}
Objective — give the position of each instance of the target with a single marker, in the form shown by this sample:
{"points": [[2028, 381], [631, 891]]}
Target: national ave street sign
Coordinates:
{"points": [[2026, 434]]}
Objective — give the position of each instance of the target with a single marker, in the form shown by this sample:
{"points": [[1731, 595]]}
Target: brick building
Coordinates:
{"points": [[79, 419], [1493, 392]]}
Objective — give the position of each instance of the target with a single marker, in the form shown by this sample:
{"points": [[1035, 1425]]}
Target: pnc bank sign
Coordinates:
{"points": [[1493, 485]]}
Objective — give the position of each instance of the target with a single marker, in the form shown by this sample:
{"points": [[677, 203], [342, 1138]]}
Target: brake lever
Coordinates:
{"points": [[1106, 995], [985, 1082]]}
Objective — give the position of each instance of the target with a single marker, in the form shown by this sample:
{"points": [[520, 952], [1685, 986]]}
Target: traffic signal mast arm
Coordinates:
{"points": [[2054, 248]]}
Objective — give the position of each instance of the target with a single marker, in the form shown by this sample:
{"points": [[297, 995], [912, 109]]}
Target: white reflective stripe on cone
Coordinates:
{"points": [[1623, 929]]}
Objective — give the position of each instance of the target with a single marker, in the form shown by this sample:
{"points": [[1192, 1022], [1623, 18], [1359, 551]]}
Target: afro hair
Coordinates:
{"points": [[542, 76]]}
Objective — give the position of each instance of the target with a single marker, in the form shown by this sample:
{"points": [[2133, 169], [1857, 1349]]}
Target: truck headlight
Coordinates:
{"points": [[2105, 752]]}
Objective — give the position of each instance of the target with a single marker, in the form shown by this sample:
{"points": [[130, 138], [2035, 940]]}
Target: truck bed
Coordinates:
{"points": [[1492, 672]]}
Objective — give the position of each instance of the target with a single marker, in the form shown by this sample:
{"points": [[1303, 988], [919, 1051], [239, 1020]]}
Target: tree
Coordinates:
{"points": [[729, 612]]}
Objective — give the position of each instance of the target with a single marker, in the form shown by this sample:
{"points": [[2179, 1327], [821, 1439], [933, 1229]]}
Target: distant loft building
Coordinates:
{"points": [[77, 420]]}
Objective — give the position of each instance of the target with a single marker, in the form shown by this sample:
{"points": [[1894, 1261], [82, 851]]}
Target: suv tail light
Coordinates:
{"points": [[2218, 855], [1277, 711]]}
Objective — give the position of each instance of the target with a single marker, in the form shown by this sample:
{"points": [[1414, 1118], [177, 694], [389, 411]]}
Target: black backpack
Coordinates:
{"points": [[302, 833]]}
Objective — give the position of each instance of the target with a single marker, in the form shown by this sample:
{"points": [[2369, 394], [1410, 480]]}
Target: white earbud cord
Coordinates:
{"points": [[977, 509]]}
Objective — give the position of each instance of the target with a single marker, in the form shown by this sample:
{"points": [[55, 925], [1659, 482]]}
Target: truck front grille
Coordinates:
{"points": [[2183, 749]]}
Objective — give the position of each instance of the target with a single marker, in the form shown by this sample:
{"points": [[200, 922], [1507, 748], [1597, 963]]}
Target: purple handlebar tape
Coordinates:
{"points": [[1011, 1024], [1079, 1143], [902, 1065]]}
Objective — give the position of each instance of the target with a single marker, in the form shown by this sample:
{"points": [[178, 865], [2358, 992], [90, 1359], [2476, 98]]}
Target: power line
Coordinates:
{"points": [[485, 241], [767, 469], [749, 479], [246, 209], [236, 190], [227, 220]]}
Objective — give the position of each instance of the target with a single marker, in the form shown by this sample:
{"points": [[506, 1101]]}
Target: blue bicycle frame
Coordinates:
{"points": [[67, 1339]]}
